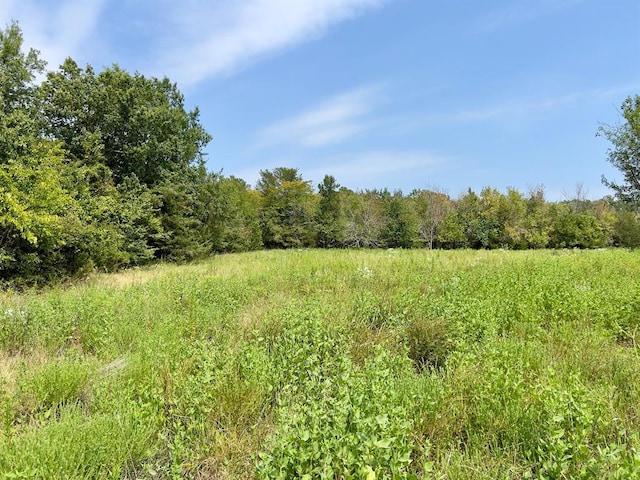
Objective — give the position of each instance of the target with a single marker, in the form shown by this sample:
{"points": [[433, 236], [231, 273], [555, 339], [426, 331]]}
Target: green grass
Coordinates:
{"points": [[329, 364]]}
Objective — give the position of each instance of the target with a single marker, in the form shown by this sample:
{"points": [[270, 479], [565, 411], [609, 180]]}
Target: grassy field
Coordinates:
{"points": [[329, 364]]}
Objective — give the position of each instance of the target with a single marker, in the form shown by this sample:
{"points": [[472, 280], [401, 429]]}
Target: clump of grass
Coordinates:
{"points": [[375, 311], [73, 445], [53, 384], [429, 342]]}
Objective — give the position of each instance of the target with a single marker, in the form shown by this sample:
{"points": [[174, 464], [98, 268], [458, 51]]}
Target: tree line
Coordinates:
{"points": [[105, 170]]}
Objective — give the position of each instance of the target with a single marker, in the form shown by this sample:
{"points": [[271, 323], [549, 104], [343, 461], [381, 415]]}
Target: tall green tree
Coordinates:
{"points": [[136, 126], [575, 230], [182, 214], [626, 229], [37, 212], [329, 221], [537, 222], [288, 209], [451, 231], [232, 212], [400, 221], [468, 210], [625, 154], [18, 71], [132, 136], [502, 219], [430, 208], [34, 208], [491, 221]]}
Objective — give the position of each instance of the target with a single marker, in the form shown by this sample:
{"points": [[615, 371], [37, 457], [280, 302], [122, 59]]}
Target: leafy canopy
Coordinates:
{"points": [[625, 154]]}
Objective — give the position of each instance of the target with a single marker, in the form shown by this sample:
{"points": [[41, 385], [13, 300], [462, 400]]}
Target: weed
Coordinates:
{"points": [[429, 342], [329, 364]]}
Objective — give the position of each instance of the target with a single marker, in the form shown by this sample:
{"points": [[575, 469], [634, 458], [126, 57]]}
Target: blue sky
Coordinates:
{"points": [[400, 94]]}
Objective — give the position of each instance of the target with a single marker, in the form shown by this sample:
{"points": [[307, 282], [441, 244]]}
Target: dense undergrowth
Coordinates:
{"points": [[329, 364]]}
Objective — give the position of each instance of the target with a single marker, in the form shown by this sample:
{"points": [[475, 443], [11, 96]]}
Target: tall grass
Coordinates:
{"points": [[329, 364]]}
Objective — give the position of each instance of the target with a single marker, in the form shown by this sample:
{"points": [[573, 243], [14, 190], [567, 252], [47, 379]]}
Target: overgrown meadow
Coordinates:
{"points": [[329, 364]]}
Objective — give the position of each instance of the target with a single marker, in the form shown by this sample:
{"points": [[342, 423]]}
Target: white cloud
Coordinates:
{"points": [[512, 110], [362, 170], [615, 91], [189, 41], [217, 38], [332, 121], [518, 110], [373, 169], [522, 11], [57, 29]]}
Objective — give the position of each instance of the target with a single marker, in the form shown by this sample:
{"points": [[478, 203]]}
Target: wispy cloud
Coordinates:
{"points": [[517, 110], [189, 41], [217, 38], [332, 121], [362, 170], [373, 169], [522, 11], [512, 109], [57, 29]]}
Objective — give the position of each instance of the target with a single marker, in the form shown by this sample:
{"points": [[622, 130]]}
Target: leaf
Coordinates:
{"points": [[368, 473], [383, 420], [386, 443]]}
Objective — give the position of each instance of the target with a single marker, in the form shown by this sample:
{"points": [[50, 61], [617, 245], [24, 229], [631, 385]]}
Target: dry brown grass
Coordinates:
{"points": [[128, 278]]}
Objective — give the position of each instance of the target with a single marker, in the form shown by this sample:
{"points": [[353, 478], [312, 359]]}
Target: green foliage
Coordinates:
{"points": [[364, 219], [625, 155], [431, 208], [36, 210], [182, 216], [574, 421], [429, 342], [401, 225], [232, 215], [286, 363], [17, 72], [570, 229], [626, 229], [73, 446], [335, 420], [329, 220], [493, 219], [536, 222], [375, 311], [473, 223], [53, 385], [137, 219], [451, 233], [34, 203], [139, 124], [96, 170], [135, 133], [287, 209]]}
